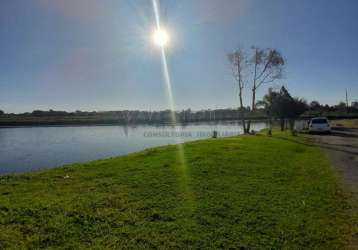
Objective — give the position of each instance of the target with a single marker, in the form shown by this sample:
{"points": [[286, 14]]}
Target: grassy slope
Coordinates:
{"points": [[248, 191], [348, 123]]}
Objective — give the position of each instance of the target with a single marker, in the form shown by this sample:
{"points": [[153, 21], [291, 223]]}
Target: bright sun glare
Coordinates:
{"points": [[161, 37]]}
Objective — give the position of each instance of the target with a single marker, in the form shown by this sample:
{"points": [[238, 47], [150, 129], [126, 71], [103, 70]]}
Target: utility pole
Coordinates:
{"points": [[347, 100]]}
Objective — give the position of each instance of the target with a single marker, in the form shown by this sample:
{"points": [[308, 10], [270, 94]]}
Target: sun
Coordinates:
{"points": [[161, 37]]}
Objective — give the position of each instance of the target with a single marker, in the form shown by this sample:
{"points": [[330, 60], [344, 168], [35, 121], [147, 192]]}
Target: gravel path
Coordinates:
{"points": [[341, 147]]}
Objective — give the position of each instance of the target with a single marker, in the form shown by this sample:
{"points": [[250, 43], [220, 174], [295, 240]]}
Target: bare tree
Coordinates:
{"points": [[268, 65], [238, 64], [264, 66]]}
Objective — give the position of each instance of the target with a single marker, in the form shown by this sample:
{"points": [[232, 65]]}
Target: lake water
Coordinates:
{"points": [[24, 149]]}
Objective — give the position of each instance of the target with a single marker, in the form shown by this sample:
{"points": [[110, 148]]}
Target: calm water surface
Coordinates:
{"points": [[24, 149]]}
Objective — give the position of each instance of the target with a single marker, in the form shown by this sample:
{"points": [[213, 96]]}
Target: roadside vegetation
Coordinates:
{"points": [[347, 123], [249, 192]]}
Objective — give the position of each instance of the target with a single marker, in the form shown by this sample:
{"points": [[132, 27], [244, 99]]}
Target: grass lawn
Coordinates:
{"points": [[348, 123], [247, 192]]}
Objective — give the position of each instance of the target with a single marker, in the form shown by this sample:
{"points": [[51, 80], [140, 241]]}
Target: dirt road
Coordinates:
{"points": [[342, 148]]}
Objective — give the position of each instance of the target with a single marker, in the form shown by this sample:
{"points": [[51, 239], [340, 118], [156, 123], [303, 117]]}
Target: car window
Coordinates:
{"points": [[319, 121]]}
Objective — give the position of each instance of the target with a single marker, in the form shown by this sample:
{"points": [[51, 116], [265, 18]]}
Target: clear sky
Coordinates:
{"points": [[98, 55]]}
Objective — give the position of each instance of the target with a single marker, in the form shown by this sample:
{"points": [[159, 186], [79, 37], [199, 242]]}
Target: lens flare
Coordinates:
{"points": [[161, 38]]}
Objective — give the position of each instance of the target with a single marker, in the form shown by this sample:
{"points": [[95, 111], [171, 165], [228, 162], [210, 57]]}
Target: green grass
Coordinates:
{"points": [[247, 192], [348, 123]]}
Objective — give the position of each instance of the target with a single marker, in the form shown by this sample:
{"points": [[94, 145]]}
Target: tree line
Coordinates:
{"points": [[135, 116], [271, 106]]}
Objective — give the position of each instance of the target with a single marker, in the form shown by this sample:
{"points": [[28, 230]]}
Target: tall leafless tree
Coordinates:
{"points": [[238, 63], [264, 66], [268, 65]]}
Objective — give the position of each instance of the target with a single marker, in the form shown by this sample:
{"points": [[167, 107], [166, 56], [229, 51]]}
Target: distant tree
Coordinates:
{"points": [[2, 112], [315, 105], [341, 107], [38, 113], [268, 104], [297, 107], [283, 106], [326, 108], [291, 108], [41, 113]]}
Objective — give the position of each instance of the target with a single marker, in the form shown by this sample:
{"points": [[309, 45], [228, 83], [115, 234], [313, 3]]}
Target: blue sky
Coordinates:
{"points": [[98, 55]]}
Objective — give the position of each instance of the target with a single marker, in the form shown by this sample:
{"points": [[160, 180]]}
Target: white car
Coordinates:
{"points": [[319, 124]]}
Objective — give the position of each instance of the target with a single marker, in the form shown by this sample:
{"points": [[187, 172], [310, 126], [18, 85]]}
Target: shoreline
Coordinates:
{"points": [[55, 124], [60, 122]]}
